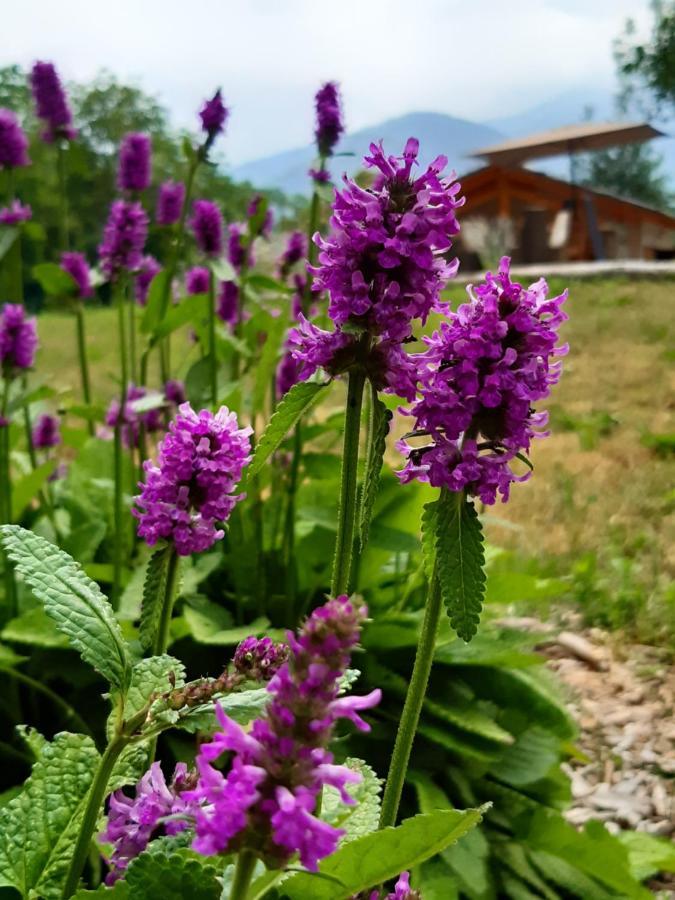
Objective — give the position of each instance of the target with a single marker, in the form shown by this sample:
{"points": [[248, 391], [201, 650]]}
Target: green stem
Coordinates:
{"points": [[243, 874], [312, 226], [289, 526], [6, 497], [119, 507], [70, 714], [95, 799], [348, 485], [84, 364], [213, 354], [161, 641], [63, 196], [133, 368], [412, 708]]}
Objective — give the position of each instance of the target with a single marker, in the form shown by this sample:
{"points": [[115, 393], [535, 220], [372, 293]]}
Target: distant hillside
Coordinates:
{"points": [[437, 133]]}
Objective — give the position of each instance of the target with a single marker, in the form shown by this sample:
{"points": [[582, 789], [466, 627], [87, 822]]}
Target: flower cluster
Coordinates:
{"points": [[267, 799], [228, 303], [130, 420], [197, 280], [148, 268], [18, 338], [75, 265], [258, 659], [213, 114], [207, 226], [239, 252], [189, 492], [296, 249], [481, 373], [123, 238], [134, 165], [133, 822], [170, 201], [13, 142], [51, 104], [402, 891], [329, 124], [15, 213], [46, 432]]}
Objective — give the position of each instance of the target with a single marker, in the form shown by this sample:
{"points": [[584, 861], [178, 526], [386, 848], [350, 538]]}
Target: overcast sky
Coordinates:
{"points": [[476, 59]]}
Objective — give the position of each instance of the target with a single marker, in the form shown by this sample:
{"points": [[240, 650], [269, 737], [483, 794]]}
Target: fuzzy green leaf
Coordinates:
{"points": [[72, 600], [292, 407], [429, 528], [460, 557], [154, 589], [377, 857], [31, 825], [379, 429], [362, 818]]}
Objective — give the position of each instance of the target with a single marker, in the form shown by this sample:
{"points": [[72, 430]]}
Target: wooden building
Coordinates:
{"points": [[538, 218]]}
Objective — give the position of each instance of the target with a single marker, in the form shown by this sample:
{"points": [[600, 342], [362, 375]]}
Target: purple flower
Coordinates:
{"points": [[228, 303], [296, 249], [261, 228], [207, 226], [174, 391], [238, 251], [320, 176], [149, 267], [133, 173], [481, 374], [268, 797], [402, 890], [197, 280], [131, 420], [383, 263], [18, 338], [51, 103], [46, 432], [189, 492], [13, 142], [329, 124], [170, 202], [75, 265], [258, 659], [213, 114], [133, 822], [15, 213], [123, 238], [288, 373]]}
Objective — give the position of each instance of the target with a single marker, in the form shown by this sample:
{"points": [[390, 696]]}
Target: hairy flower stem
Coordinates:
{"points": [[348, 505], [84, 364], [289, 526], [64, 235], [243, 873], [161, 641], [213, 353], [95, 799], [312, 226], [6, 501], [119, 507], [412, 708]]}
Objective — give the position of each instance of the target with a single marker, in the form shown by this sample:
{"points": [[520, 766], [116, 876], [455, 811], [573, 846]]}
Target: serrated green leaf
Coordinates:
{"points": [[375, 858], [460, 558], [379, 429], [362, 818], [32, 823], [291, 408], [72, 600], [154, 592], [24, 489], [242, 706], [32, 739]]}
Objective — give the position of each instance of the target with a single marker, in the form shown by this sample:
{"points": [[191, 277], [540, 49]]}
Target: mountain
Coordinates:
{"points": [[564, 109], [437, 133]]}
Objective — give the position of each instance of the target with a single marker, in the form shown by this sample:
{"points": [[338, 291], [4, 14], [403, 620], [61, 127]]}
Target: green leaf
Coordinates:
{"points": [[429, 528], [154, 590], [566, 875], [531, 757], [34, 627], [362, 818], [377, 857], [379, 429], [242, 706], [24, 489], [7, 238], [32, 824], [157, 294], [222, 270], [292, 407], [53, 280], [266, 283], [9, 659], [460, 558], [192, 309], [648, 855], [72, 600], [198, 382], [210, 623]]}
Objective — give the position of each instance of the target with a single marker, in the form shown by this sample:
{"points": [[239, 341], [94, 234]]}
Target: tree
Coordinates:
{"points": [[634, 172], [649, 67]]}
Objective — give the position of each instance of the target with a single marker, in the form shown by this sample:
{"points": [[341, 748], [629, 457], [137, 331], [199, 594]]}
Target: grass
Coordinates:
{"points": [[600, 507]]}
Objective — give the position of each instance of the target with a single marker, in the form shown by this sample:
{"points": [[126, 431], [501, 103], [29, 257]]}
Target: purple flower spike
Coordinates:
{"points": [[76, 266], [258, 659], [13, 142], [207, 226], [329, 124], [15, 214], [264, 228], [46, 432], [174, 391], [123, 238], [134, 165], [131, 421], [383, 263], [51, 104], [190, 492], [267, 798], [197, 280], [228, 303], [237, 251], [148, 268], [288, 373], [296, 249], [18, 339], [170, 202], [213, 114], [479, 378]]}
